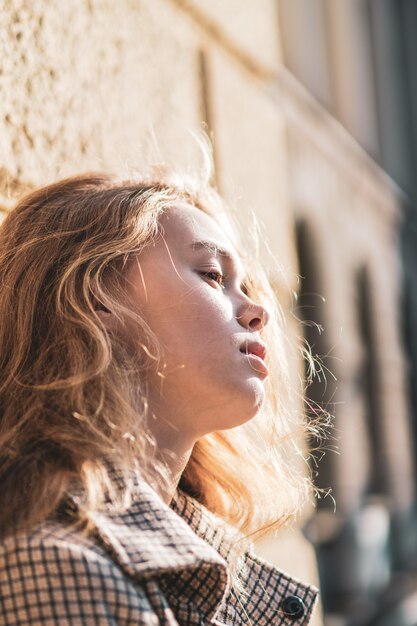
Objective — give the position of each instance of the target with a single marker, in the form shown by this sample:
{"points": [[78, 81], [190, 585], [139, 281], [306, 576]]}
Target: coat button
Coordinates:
{"points": [[293, 607]]}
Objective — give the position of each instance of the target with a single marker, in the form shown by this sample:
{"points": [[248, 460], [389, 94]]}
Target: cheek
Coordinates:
{"points": [[199, 345], [190, 318], [195, 333], [205, 320]]}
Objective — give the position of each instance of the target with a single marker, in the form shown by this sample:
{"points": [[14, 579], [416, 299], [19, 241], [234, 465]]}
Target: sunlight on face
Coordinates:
{"points": [[189, 287]]}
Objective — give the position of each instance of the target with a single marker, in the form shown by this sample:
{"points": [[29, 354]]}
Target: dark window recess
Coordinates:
{"points": [[367, 383], [310, 310]]}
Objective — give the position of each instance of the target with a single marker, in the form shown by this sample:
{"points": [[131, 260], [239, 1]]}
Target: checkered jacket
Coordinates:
{"points": [[153, 565]]}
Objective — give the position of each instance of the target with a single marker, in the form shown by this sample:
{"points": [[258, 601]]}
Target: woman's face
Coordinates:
{"points": [[188, 286]]}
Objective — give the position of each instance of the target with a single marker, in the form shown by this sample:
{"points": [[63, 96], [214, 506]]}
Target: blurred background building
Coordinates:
{"points": [[312, 108]]}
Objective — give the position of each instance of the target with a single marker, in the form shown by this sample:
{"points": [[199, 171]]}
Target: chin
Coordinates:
{"points": [[246, 409], [255, 389]]}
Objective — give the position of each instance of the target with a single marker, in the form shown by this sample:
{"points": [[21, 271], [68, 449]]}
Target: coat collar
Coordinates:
{"points": [[153, 541], [150, 541], [151, 538]]}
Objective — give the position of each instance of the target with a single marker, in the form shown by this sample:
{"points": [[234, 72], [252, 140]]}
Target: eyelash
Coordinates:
{"points": [[244, 287], [217, 275]]}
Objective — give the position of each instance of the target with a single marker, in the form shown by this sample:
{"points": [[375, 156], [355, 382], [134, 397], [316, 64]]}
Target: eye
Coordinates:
{"points": [[216, 277]]}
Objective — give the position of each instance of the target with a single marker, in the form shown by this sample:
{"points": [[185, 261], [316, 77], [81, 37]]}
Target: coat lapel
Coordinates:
{"points": [[150, 538]]}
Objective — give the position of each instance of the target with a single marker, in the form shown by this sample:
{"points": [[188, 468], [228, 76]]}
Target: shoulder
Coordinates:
{"points": [[56, 575], [53, 548]]}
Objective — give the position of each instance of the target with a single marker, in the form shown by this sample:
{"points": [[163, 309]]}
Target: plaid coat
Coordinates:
{"points": [[153, 565]]}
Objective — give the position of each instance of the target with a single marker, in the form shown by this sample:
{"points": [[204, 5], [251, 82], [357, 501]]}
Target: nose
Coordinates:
{"points": [[253, 316]]}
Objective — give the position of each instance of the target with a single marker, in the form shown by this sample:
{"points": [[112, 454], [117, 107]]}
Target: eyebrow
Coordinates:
{"points": [[213, 247]]}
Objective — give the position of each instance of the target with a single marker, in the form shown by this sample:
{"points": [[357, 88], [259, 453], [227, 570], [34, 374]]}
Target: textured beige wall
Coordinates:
{"points": [[85, 85], [252, 28]]}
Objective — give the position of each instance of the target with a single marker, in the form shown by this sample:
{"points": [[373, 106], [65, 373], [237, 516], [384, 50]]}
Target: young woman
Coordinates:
{"points": [[144, 422]]}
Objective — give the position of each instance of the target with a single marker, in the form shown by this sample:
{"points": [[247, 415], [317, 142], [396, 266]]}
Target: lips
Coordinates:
{"points": [[255, 352], [254, 347]]}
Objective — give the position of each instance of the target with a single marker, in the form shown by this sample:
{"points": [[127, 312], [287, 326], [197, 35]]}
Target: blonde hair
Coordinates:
{"points": [[73, 397]]}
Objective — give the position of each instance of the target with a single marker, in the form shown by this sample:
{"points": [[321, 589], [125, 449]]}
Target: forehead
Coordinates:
{"points": [[184, 224]]}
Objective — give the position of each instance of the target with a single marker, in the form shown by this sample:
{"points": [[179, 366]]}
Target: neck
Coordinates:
{"points": [[174, 446], [175, 461]]}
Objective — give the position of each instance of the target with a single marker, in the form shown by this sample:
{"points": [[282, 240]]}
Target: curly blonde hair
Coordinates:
{"points": [[73, 397]]}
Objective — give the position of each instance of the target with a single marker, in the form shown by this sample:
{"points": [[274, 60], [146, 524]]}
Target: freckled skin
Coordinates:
{"points": [[208, 383]]}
